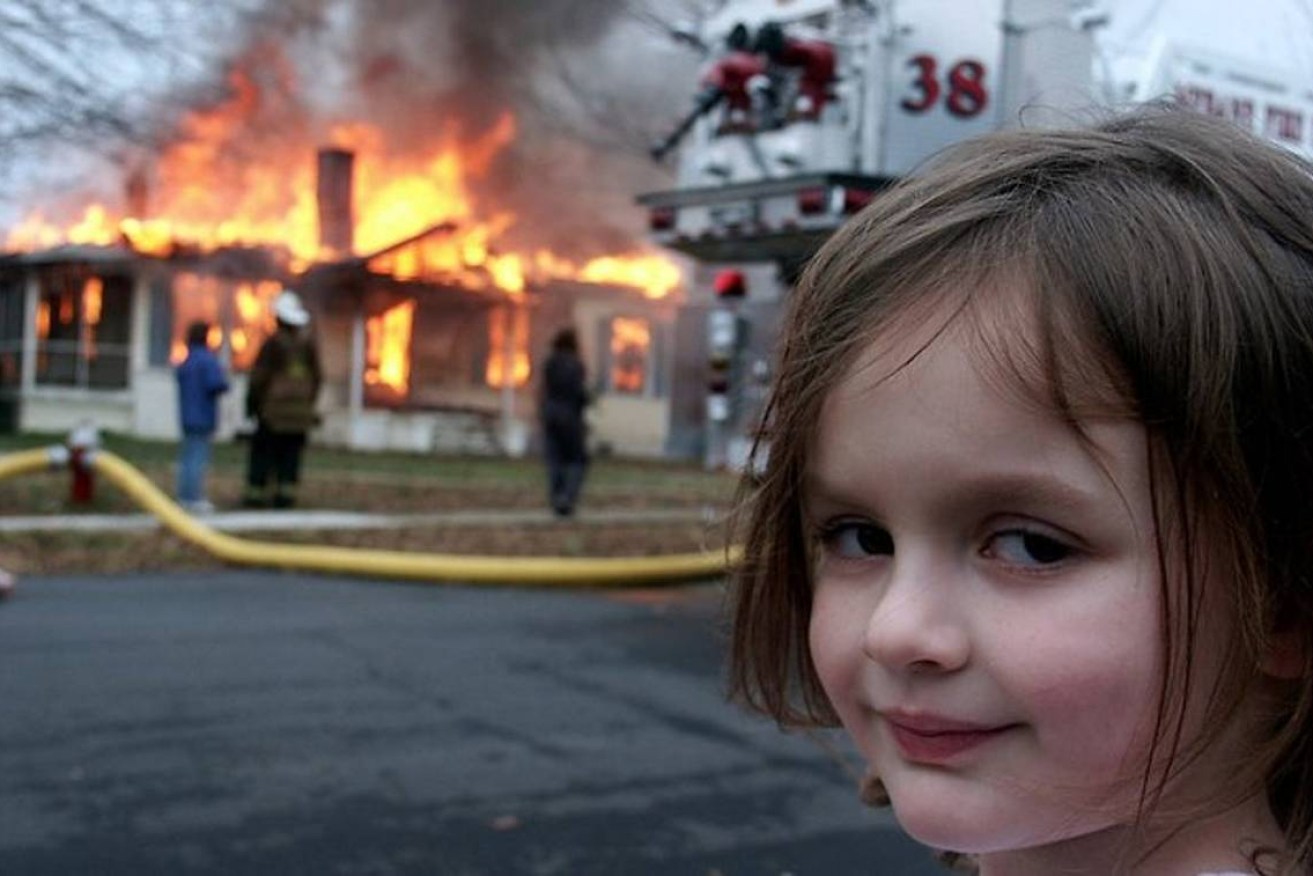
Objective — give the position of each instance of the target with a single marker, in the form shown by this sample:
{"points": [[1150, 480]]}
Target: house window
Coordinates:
{"points": [[448, 350], [508, 347], [11, 330], [239, 313], [83, 326], [630, 356], [388, 353], [424, 352]]}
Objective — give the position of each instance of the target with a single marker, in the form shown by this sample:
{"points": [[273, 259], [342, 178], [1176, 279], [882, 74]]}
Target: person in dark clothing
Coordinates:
{"points": [[561, 408], [284, 384], [201, 380]]}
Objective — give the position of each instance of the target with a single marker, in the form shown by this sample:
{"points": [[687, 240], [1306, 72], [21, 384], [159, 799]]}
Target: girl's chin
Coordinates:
{"points": [[943, 838], [956, 825], [983, 827]]}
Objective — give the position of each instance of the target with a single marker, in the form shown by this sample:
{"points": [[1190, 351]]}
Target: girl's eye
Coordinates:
{"points": [[1020, 547], [855, 540]]}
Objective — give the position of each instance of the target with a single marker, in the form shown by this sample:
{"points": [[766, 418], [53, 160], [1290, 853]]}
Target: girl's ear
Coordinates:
{"points": [[1287, 655]]}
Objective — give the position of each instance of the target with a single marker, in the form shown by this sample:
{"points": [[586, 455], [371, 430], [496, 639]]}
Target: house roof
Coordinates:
{"points": [[356, 271], [66, 253], [442, 228]]}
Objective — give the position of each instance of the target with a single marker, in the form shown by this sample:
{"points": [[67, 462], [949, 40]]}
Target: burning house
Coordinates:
{"points": [[429, 325]]}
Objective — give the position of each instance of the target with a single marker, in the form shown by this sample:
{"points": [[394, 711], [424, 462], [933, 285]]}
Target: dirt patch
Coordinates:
{"points": [[384, 483]]}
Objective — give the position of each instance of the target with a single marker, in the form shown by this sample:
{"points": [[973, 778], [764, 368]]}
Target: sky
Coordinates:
{"points": [[1277, 33]]}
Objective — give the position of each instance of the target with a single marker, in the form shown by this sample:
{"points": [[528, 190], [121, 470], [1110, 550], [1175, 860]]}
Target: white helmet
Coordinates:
{"points": [[289, 309]]}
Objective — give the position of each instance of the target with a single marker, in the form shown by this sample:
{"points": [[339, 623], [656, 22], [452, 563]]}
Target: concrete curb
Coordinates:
{"points": [[274, 521]]}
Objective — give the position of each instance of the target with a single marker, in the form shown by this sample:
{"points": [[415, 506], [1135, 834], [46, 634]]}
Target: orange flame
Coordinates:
{"points": [[92, 228], [630, 342], [93, 291], [387, 348], [205, 196], [508, 347], [652, 272], [217, 186], [199, 298]]}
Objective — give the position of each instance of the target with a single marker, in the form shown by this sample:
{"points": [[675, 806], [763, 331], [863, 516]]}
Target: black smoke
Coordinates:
{"points": [[590, 83]]}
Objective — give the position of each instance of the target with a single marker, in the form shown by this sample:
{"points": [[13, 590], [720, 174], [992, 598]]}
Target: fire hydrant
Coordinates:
{"points": [[83, 442]]}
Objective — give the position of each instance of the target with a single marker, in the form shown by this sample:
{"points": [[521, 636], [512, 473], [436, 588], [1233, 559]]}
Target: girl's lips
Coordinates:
{"points": [[928, 739]]}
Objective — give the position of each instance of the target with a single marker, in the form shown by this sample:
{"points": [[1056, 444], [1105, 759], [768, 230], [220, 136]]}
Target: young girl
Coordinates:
{"points": [[1036, 524]]}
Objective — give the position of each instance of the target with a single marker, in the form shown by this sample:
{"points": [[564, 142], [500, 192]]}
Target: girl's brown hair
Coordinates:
{"points": [[1167, 253]]}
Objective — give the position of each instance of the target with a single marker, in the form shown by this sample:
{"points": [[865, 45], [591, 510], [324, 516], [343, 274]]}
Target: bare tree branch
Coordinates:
{"points": [[84, 63]]}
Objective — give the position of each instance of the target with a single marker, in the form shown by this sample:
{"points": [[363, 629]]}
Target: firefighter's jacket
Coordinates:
{"points": [[284, 382]]}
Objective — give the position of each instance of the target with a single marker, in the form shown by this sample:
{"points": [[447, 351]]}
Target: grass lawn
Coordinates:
{"points": [[383, 482]]}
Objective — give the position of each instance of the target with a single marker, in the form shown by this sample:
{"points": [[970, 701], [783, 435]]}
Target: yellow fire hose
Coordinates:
{"points": [[539, 571]]}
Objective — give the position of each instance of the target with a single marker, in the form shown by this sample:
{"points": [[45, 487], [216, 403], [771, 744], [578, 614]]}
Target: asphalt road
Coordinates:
{"points": [[267, 723]]}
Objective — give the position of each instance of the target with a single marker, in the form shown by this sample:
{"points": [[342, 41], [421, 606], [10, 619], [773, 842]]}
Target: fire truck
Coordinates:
{"points": [[804, 111]]}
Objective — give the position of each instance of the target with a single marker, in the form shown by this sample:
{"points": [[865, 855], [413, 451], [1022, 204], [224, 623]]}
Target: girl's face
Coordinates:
{"points": [[987, 604]]}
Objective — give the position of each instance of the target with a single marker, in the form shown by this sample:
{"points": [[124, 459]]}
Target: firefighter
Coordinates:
{"points": [[803, 69], [281, 397], [732, 81]]}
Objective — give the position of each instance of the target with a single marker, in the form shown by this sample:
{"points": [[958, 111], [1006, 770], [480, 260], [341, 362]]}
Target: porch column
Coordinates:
{"points": [[356, 378], [31, 297], [508, 368], [513, 433]]}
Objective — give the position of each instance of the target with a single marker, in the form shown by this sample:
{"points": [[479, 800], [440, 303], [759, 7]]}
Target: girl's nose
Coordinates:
{"points": [[917, 625]]}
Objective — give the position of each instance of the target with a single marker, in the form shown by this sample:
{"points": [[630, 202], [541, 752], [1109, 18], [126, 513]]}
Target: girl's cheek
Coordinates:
{"points": [[835, 643], [1098, 714], [821, 643], [822, 639]]}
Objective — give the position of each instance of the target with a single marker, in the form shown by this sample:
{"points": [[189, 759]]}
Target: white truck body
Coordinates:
{"points": [[911, 77], [768, 167]]}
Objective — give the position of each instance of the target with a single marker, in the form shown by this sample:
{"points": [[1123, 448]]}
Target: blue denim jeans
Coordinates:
{"points": [[193, 460]]}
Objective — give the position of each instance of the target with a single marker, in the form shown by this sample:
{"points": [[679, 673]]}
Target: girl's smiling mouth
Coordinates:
{"points": [[932, 740]]}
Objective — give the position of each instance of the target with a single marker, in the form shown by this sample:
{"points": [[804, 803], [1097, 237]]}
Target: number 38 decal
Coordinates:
{"points": [[965, 84]]}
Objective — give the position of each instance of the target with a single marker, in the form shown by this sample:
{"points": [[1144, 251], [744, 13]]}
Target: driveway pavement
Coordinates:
{"points": [[243, 722]]}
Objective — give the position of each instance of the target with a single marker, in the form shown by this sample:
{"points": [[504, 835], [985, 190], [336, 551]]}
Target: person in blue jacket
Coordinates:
{"points": [[201, 380]]}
